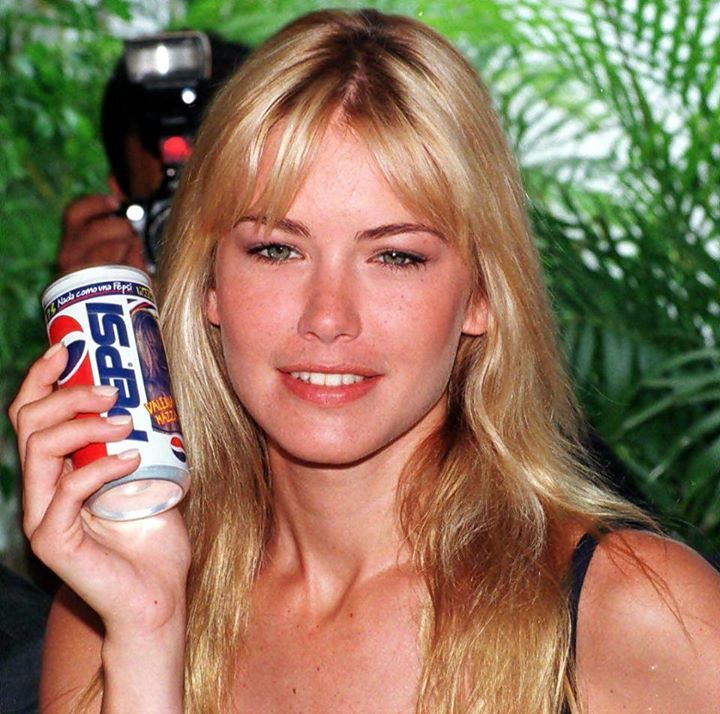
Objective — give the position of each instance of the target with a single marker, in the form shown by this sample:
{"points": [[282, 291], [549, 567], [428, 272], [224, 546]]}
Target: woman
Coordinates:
{"points": [[388, 492]]}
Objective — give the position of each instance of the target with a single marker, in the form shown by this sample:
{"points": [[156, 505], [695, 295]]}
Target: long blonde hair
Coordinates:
{"points": [[487, 499]]}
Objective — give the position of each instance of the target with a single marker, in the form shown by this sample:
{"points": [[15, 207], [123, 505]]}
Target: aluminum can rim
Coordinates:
{"points": [[88, 275]]}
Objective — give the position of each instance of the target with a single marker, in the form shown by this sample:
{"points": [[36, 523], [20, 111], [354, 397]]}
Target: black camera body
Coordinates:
{"points": [[170, 74]]}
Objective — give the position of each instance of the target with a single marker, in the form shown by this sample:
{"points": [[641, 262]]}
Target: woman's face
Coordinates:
{"points": [[340, 326]]}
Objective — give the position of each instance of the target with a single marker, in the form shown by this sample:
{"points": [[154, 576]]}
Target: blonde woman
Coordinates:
{"points": [[390, 512]]}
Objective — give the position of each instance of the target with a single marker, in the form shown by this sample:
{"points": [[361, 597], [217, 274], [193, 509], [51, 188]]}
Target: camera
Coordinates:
{"points": [[170, 74]]}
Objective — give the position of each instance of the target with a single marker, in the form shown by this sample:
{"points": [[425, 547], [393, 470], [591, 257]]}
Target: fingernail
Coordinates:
{"points": [[105, 390], [128, 454], [119, 419], [113, 203], [53, 350]]}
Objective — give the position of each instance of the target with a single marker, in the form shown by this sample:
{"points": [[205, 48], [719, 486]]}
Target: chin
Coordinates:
{"points": [[322, 455], [342, 449]]}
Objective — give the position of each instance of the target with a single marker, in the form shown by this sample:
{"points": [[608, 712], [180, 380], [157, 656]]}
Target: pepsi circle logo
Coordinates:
{"points": [[178, 448], [76, 345]]}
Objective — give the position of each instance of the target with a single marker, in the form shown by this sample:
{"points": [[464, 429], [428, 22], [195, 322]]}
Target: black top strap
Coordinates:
{"points": [[581, 557]]}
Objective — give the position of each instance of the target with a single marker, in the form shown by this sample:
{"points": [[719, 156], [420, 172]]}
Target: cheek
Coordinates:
{"points": [[427, 323], [256, 325], [423, 335], [251, 307]]}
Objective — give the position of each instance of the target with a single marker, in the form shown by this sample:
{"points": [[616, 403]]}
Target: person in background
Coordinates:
{"points": [[93, 231]]}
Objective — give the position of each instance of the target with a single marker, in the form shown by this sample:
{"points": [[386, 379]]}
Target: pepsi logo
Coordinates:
{"points": [[76, 345], [178, 448]]}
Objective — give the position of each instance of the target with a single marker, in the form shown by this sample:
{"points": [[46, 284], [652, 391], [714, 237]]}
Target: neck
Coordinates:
{"points": [[335, 525]]}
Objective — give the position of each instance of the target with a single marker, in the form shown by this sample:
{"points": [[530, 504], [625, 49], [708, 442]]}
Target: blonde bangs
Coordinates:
{"points": [[267, 124]]}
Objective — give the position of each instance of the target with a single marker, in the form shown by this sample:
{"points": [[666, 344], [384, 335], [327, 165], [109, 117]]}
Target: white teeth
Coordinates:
{"points": [[322, 379]]}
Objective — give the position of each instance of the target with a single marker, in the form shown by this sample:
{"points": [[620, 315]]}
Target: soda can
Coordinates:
{"points": [[107, 319]]}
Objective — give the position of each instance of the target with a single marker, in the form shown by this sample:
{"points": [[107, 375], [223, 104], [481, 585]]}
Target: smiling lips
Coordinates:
{"points": [[323, 379], [328, 388]]}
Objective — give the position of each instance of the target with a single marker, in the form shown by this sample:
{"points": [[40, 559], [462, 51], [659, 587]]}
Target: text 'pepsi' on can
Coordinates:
{"points": [[107, 319]]}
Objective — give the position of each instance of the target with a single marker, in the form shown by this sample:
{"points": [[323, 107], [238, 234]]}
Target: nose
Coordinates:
{"points": [[330, 310]]}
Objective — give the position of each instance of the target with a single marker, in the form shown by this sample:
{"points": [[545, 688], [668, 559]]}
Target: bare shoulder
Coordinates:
{"points": [[71, 654], [649, 628]]}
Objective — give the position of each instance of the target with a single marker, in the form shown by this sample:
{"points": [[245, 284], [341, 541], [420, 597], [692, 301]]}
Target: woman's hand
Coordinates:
{"points": [[133, 574]]}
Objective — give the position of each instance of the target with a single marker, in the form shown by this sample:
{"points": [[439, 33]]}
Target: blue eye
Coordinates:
{"points": [[400, 259], [273, 252]]}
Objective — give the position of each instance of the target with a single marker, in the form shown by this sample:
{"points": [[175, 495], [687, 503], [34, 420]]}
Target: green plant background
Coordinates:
{"points": [[613, 110]]}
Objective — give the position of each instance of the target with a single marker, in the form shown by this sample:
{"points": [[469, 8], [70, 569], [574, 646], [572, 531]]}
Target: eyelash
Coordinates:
{"points": [[257, 252], [409, 260]]}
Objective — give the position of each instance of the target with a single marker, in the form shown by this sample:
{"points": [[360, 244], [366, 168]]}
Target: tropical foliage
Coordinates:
{"points": [[612, 107], [628, 215]]}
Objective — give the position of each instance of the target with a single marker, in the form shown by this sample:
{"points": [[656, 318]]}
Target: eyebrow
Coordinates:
{"points": [[284, 224], [297, 228], [393, 229]]}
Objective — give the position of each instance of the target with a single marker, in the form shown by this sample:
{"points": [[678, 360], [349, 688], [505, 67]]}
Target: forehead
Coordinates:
{"points": [[339, 177]]}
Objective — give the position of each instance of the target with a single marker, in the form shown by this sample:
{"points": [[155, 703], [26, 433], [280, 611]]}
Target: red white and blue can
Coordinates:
{"points": [[107, 319]]}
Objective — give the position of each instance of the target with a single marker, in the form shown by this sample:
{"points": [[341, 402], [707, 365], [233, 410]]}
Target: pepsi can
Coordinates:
{"points": [[107, 319]]}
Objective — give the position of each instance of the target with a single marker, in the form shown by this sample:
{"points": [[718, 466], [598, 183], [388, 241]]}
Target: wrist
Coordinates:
{"points": [[143, 671]]}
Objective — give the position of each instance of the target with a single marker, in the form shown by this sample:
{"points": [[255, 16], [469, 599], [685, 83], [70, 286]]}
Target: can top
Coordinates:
{"points": [[78, 278]]}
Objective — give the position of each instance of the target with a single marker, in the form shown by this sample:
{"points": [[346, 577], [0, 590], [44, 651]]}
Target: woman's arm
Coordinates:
{"points": [[136, 675], [132, 574], [71, 653], [649, 629]]}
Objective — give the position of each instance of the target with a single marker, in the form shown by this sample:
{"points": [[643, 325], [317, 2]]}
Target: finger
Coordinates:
{"points": [[99, 242], [59, 406], [134, 256], [85, 209], [106, 228], [103, 252], [39, 381], [60, 523], [111, 252], [45, 457]]}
